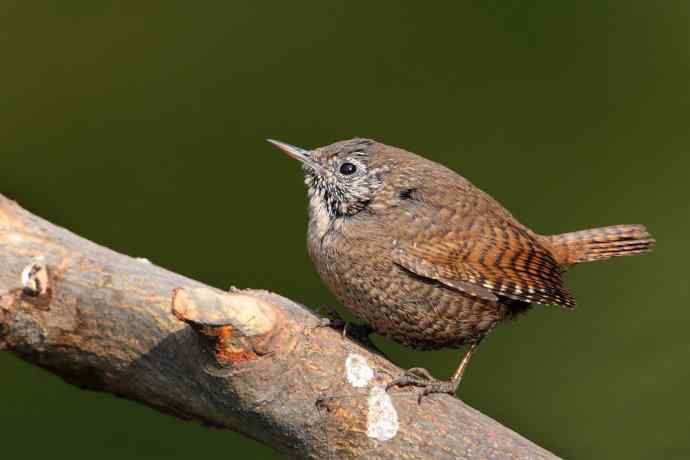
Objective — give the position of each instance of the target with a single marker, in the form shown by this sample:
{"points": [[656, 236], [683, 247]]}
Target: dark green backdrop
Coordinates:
{"points": [[141, 126]]}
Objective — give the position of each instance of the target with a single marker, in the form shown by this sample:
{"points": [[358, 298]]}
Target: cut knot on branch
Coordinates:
{"points": [[239, 325]]}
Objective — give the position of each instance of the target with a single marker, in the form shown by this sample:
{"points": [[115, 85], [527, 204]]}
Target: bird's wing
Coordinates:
{"points": [[495, 257]]}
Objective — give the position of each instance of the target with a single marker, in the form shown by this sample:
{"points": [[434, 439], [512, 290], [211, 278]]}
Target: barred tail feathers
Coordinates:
{"points": [[600, 243]]}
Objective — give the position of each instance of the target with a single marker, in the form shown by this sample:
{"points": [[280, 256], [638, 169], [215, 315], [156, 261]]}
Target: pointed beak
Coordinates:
{"points": [[297, 153], [300, 154], [291, 150]]}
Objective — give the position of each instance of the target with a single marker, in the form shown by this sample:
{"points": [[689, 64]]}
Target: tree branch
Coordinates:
{"points": [[249, 361]]}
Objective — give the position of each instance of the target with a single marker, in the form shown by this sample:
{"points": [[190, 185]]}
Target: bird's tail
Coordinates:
{"points": [[600, 243]]}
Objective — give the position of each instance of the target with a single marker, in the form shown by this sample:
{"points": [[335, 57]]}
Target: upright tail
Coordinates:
{"points": [[600, 243]]}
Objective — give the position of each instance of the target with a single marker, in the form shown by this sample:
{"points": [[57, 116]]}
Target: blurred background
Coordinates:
{"points": [[116, 117]]}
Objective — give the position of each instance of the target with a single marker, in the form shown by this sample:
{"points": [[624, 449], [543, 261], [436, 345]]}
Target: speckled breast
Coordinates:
{"points": [[412, 310]]}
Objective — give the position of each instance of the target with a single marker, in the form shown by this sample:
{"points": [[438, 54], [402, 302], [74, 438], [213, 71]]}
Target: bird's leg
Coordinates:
{"points": [[355, 331], [420, 377], [334, 320]]}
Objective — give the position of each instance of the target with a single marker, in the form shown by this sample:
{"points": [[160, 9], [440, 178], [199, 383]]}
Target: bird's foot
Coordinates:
{"points": [[358, 332], [420, 377], [333, 320]]}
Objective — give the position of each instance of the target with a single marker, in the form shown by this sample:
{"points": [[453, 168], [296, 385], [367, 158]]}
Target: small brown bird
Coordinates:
{"points": [[425, 257]]}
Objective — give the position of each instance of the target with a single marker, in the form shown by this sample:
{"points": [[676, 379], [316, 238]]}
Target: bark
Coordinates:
{"points": [[245, 360]]}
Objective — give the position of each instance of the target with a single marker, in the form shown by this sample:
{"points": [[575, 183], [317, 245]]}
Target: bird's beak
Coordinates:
{"points": [[297, 153]]}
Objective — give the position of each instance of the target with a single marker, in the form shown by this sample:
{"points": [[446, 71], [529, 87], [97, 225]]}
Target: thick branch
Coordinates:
{"points": [[249, 361]]}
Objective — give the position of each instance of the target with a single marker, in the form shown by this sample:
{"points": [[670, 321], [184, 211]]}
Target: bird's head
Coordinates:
{"points": [[342, 177]]}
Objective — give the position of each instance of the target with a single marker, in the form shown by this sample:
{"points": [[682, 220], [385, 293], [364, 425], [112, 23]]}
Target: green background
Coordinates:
{"points": [[141, 126]]}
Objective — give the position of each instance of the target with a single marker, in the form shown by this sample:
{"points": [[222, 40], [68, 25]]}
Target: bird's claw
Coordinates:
{"points": [[420, 377], [334, 320], [357, 332]]}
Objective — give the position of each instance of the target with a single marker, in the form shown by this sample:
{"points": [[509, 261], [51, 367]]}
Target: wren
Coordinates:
{"points": [[425, 257]]}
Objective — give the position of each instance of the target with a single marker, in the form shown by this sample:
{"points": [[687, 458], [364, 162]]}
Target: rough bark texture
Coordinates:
{"points": [[249, 361]]}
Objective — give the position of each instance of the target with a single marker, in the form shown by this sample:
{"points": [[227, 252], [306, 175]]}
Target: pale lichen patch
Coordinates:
{"points": [[358, 371], [382, 418]]}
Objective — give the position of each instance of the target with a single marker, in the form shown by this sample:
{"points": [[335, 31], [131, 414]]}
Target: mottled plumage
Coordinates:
{"points": [[425, 257]]}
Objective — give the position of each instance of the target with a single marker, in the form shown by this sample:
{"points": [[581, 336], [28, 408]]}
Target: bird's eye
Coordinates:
{"points": [[347, 168]]}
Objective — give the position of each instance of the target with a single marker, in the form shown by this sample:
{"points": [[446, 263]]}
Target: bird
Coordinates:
{"points": [[426, 258]]}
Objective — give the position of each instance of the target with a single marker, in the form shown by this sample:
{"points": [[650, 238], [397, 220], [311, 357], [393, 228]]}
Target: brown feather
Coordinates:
{"points": [[600, 243], [512, 264]]}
